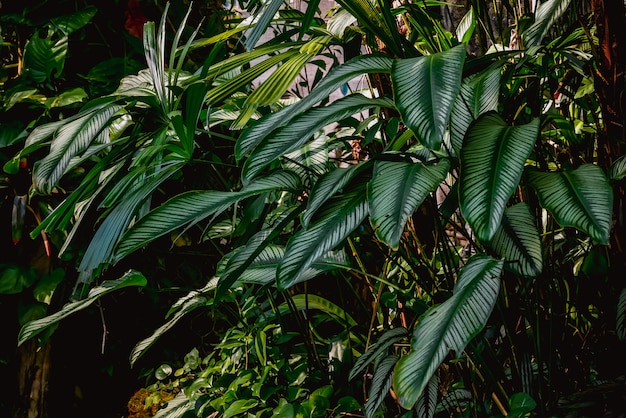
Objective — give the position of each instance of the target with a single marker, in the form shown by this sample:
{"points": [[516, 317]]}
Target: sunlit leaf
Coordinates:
{"points": [[547, 14]]}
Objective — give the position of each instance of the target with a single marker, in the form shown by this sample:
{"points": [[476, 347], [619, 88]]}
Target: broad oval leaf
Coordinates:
{"points": [[396, 190], [131, 278], [448, 327], [70, 140], [618, 169], [517, 240], [492, 163], [293, 136], [581, 198], [343, 214], [425, 90]]}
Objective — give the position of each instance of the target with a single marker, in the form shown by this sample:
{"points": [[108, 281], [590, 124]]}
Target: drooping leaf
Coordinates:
{"points": [[131, 278], [191, 207], [68, 24], [333, 80], [478, 95], [262, 18], [427, 402], [546, 15], [396, 190], [310, 161], [44, 58], [581, 198], [308, 301], [618, 169], [343, 214], [448, 327], [425, 89], [377, 350], [492, 163], [518, 242], [300, 129], [381, 383], [186, 304], [329, 184], [70, 140]]}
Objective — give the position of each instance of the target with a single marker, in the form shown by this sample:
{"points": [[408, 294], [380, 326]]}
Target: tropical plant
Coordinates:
{"points": [[460, 200]]}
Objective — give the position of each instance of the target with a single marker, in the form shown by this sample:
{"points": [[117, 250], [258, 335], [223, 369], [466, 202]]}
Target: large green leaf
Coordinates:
{"points": [[338, 220], [45, 57], [448, 327], [492, 163], [381, 383], [74, 21], [546, 15], [425, 89], [396, 190], [70, 140], [191, 207], [300, 129], [581, 198], [478, 95], [329, 184], [131, 278], [333, 80], [518, 242]]}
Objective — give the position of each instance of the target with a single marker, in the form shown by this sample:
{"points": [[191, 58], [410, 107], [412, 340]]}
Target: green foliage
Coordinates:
{"points": [[455, 200]]}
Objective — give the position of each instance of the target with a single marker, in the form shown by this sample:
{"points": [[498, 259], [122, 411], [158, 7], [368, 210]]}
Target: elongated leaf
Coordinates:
{"points": [[191, 207], [620, 328], [176, 407], [465, 29], [186, 304], [618, 169], [381, 383], [333, 80], [373, 20], [70, 140], [425, 89], [478, 95], [448, 327], [517, 240], [131, 278], [581, 198], [329, 184], [342, 216], [262, 19], [396, 190], [310, 161], [492, 163], [293, 136], [546, 15], [308, 302], [427, 403], [380, 348]]}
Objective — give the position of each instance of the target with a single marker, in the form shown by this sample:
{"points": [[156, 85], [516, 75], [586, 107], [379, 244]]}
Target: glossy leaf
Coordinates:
{"points": [[425, 89], [300, 129], [448, 327], [44, 58], [427, 402], [191, 207], [492, 163], [33, 328], [395, 192], [377, 350], [70, 140], [581, 198], [465, 29], [333, 80], [343, 214], [618, 169], [518, 242], [478, 95], [381, 383], [546, 15]]}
